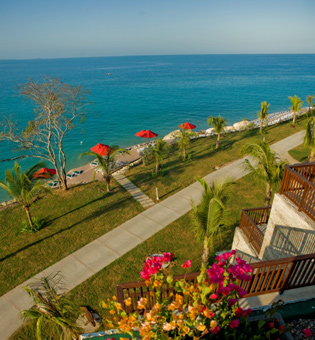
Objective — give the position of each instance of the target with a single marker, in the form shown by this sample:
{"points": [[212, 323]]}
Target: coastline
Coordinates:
{"points": [[125, 161]]}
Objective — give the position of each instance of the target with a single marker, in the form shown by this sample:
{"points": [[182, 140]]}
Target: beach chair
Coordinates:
{"points": [[77, 172], [94, 164], [70, 176]]}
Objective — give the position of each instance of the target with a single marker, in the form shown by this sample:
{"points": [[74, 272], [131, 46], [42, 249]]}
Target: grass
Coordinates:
{"points": [[179, 174], [80, 215], [299, 153], [178, 237], [73, 219]]}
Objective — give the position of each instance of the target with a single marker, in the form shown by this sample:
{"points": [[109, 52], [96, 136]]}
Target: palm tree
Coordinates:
{"points": [[263, 114], [218, 124], [23, 187], [309, 100], [267, 168], [184, 141], [52, 309], [158, 152], [296, 105], [107, 163], [309, 139], [209, 216]]}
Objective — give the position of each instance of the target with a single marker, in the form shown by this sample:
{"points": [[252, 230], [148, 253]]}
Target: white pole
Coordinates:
{"points": [[157, 193]]}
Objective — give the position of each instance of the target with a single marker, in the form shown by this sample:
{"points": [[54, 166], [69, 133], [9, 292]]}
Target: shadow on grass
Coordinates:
{"points": [[92, 216], [167, 193]]}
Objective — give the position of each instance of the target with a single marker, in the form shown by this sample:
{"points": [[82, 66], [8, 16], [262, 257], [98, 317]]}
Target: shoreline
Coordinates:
{"points": [[126, 160]]}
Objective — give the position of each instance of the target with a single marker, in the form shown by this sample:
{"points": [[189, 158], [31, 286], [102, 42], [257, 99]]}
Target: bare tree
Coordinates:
{"points": [[56, 107]]}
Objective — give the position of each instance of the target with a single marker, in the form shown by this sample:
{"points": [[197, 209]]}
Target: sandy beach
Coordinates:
{"points": [[135, 151]]}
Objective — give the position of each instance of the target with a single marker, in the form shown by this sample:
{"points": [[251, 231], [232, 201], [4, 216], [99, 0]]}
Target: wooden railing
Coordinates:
{"points": [[298, 186], [250, 220], [267, 277]]}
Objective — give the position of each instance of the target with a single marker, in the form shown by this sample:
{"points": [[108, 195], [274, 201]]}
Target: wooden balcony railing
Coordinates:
{"points": [[267, 277], [298, 186], [250, 221]]}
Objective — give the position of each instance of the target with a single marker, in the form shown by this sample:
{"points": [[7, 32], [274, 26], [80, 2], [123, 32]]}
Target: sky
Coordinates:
{"points": [[92, 28]]}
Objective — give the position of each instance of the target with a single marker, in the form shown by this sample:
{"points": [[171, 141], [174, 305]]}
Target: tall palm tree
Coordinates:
{"points": [[263, 113], [158, 152], [23, 187], [218, 124], [296, 106], [309, 139], [184, 141], [309, 100], [51, 308], [267, 168], [209, 216], [107, 163]]}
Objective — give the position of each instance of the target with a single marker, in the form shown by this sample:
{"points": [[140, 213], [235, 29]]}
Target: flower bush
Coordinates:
{"points": [[205, 309]]}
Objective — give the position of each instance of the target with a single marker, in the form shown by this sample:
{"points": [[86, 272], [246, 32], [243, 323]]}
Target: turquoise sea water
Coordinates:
{"points": [[157, 93]]}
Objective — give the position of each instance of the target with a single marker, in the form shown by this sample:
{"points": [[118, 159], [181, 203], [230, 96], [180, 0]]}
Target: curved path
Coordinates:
{"points": [[93, 257]]}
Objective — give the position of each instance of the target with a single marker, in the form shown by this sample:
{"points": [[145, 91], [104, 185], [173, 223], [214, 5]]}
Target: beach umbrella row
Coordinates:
{"points": [[102, 149]]}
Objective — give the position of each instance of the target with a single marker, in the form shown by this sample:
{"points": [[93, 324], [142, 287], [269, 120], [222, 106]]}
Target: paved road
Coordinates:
{"points": [[93, 257]]}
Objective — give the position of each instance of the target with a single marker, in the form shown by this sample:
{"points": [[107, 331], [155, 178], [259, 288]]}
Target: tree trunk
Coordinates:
{"points": [[108, 184], [28, 214], [261, 125], [184, 153], [205, 253], [294, 117], [157, 167], [311, 158], [268, 195], [217, 144]]}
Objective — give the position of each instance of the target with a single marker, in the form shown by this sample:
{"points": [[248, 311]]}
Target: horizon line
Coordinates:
{"points": [[154, 55]]}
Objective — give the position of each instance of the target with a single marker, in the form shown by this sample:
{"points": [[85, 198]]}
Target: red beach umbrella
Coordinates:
{"points": [[146, 134], [101, 149], [187, 126], [44, 173]]}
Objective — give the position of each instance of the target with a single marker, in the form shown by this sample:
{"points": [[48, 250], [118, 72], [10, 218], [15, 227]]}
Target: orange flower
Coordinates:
{"points": [[157, 283], [128, 301], [201, 327], [142, 303], [114, 298], [112, 311], [186, 330], [213, 324]]}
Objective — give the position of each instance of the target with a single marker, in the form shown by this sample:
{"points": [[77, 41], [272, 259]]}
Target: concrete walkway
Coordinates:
{"points": [[93, 257], [135, 192]]}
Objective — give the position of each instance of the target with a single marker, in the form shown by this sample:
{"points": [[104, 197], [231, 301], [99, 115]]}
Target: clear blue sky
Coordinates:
{"points": [[87, 28]]}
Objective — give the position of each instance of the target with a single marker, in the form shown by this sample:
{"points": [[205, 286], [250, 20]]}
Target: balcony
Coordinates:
{"points": [[298, 186], [253, 223]]}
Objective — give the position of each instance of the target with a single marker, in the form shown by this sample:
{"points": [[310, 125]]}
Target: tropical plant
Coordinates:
{"points": [[209, 216], [184, 141], [218, 124], [51, 309], [106, 164], [23, 187], [158, 151], [266, 168], [309, 100], [187, 309], [263, 114], [296, 105], [309, 139]]}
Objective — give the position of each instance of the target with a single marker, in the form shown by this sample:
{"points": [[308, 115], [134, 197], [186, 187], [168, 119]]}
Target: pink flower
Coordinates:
{"points": [[214, 296], [232, 302], [167, 257], [187, 264], [280, 328], [271, 325], [234, 323], [307, 332], [215, 330]]}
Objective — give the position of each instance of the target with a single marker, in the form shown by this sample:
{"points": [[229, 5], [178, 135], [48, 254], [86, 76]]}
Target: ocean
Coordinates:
{"points": [[156, 93]]}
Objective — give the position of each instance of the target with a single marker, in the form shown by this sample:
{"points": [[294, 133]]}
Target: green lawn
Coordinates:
{"points": [[179, 174], [82, 214], [74, 218], [299, 153], [178, 237]]}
